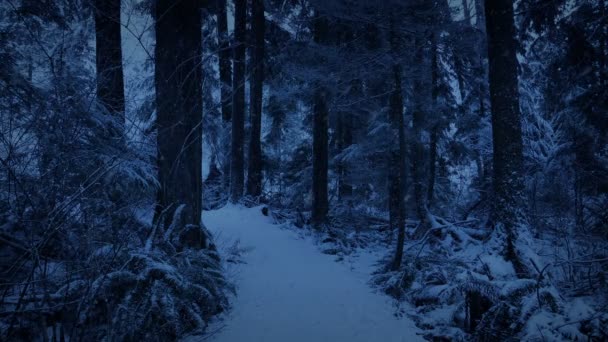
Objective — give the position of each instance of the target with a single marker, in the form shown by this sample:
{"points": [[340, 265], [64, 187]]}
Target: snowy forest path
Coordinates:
{"points": [[288, 291]]}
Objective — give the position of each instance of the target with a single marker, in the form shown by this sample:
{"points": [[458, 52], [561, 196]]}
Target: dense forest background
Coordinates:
{"points": [[466, 139]]}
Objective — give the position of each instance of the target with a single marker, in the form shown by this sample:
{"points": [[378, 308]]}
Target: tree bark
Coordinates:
{"points": [[506, 119], [603, 41], [418, 122], [397, 167], [436, 126], [481, 67], [320, 163], [178, 79], [224, 60], [237, 165], [397, 171], [254, 174], [225, 68], [430, 191], [110, 79]]}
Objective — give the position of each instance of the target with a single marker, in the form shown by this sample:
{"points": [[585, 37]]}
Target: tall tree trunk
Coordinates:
{"points": [[436, 126], [224, 60], [110, 80], [397, 167], [225, 68], [481, 67], [237, 164], [397, 172], [506, 120], [110, 83], [603, 41], [320, 163], [418, 122], [430, 191], [178, 79], [254, 174]]}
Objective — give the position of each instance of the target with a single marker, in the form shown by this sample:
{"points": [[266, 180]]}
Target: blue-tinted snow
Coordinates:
{"points": [[289, 291]]}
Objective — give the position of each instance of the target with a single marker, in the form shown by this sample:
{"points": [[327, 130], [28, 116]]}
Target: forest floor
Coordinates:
{"points": [[287, 290]]}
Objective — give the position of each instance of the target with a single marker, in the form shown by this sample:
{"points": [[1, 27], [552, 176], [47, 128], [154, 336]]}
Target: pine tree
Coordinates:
{"points": [[419, 120], [224, 60], [397, 172], [320, 164], [506, 120], [254, 174], [178, 78], [237, 163], [110, 80]]}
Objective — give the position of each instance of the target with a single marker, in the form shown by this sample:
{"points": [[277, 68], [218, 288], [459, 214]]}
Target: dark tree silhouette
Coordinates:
{"points": [[320, 163], [506, 119], [179, 108], [237, 164], [254, 174], [224, 60], [110, 80]]}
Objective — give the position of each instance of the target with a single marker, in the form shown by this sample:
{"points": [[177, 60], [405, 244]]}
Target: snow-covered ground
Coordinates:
{"points": [[288, 291]]}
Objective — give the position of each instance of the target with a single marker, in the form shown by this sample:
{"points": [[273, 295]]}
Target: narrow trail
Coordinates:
{"points": [[290, 292]]}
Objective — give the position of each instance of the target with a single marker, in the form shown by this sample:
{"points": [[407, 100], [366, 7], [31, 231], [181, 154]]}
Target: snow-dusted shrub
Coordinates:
{"points": [[463, 288], [79, 257], [88, 269], [154, 296]]}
